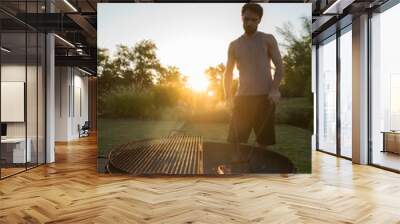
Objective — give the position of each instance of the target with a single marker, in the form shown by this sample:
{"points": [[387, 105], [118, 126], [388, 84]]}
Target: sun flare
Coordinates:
{"points": [[198, 83]]}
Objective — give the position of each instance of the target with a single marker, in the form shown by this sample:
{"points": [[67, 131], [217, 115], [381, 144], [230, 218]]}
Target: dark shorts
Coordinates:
{"points": [[252, 113]]}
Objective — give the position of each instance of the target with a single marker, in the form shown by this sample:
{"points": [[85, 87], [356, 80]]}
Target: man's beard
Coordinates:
{"points": [[249, 30]]}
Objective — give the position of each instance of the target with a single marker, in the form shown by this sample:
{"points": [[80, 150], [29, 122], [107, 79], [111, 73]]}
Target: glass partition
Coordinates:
{"points": [[13, 104], [22, 91], [385, 89], [327, 95], [346, 93]]}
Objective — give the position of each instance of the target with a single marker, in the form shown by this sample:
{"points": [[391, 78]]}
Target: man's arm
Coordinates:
{"points": [[276, 58], [229, 73]]}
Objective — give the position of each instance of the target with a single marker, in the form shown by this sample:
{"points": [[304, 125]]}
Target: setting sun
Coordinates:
{"points": [[198, 83]]}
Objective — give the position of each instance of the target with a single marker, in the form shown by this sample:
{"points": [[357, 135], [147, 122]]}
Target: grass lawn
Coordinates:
{"points": [[295, 103], [293, 142]]}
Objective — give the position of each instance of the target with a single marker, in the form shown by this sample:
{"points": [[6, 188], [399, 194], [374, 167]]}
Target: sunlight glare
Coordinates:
{"points": [[198, 83]]}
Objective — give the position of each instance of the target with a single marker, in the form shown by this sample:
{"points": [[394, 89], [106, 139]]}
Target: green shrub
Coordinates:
{"points": [[165, 96], [166, 103], [128, 103], [215, 115], [158, 102], [296, 112]]}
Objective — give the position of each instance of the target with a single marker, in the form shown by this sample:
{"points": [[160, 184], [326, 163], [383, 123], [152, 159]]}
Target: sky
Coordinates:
{"points": [[191, 36]]}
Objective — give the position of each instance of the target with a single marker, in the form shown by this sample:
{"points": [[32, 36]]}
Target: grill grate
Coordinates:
{"points": [[178, 154]]}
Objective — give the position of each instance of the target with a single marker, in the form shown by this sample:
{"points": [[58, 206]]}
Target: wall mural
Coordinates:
{"points": [[204, 89]]}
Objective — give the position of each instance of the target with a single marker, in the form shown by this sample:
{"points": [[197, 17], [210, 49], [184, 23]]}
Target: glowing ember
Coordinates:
{"points": [[222, 169]]}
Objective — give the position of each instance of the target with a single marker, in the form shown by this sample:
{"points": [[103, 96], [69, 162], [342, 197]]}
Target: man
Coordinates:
{"points": [[257, 93]]}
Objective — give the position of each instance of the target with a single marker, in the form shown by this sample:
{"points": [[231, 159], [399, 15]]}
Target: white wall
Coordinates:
{"points": [[70, 84], [16, 73], [80, 109], [62, 82]]}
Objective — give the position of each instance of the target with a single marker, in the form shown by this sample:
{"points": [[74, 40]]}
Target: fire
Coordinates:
{"points": [[222, 169]]}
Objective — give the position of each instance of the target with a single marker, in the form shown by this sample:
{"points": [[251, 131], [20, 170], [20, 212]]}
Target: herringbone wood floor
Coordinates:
{"points": [[70, 191]]}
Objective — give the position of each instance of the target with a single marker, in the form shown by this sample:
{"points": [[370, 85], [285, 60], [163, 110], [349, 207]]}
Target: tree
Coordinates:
{"points": [[146, 64], [107, 75], [171, 76], [136, 67], [297, 61], [215, 77], [124, 64]]}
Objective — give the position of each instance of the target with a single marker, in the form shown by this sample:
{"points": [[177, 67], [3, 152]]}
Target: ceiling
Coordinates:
{"points": [[328, 15], [75, 22]]}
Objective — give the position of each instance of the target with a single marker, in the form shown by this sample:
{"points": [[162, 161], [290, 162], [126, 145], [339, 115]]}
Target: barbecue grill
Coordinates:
{"points": [[190, 155]]}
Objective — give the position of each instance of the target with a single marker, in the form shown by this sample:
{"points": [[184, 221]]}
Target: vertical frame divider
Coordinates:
{"points": [[26, 86], [338, 93]]}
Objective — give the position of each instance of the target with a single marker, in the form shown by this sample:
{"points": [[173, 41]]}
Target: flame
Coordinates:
{"points": [[222, 169]]}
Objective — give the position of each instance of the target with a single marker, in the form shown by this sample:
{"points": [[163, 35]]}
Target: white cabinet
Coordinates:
{"points": [[19, 155]]}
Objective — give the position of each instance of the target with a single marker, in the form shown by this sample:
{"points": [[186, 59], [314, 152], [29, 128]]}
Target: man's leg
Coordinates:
{"points": [[265, 125], [239, 127]]}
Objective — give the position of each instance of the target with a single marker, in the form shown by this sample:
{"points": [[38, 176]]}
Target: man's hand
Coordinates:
{"points": [[274, 95]]}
